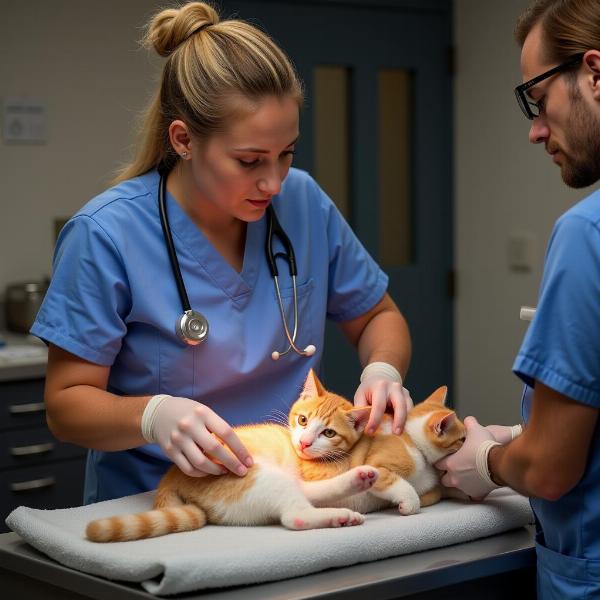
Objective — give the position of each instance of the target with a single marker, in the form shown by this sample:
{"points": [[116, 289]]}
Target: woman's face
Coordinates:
{"points": [[236, 172]]}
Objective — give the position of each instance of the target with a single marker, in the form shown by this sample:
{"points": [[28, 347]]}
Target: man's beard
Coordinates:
{"points": [[582, 166]]}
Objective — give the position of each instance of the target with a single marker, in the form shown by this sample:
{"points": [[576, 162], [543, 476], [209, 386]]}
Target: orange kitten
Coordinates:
{"points": [[312, 474]]}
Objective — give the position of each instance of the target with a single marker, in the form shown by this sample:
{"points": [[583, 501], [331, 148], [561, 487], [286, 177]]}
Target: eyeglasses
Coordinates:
{"points": [[530, 108]]}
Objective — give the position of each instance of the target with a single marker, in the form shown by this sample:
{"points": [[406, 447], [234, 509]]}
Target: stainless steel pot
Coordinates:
{"points": [[22, 302]]}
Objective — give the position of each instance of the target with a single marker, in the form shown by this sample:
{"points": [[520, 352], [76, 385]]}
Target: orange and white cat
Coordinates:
{"points": [[406, 477], [319, 471]]}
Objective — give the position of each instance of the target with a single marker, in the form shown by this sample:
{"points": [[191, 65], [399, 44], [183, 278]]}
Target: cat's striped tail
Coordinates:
{"points": [[152, 523]]}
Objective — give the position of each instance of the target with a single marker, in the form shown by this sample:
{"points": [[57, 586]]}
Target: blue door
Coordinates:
{"points": [[376, 133]]}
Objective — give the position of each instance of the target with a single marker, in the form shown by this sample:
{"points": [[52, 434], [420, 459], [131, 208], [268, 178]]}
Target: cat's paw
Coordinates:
{"points": [[317, 518], [347, 518], [409, 506], [362, 478]]}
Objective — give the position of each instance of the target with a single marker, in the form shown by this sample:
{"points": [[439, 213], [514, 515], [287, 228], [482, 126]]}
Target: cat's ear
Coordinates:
{"points": [[442, 422], [358, 417], [312, 386], [439, 396]]}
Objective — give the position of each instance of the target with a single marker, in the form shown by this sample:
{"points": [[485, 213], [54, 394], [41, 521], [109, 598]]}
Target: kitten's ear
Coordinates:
{"points": [[439, 396], [443, 422], [312, 386], [358, 417]]}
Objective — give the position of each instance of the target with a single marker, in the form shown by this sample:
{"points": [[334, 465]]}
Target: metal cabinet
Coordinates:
{"points": [[35, 469]]}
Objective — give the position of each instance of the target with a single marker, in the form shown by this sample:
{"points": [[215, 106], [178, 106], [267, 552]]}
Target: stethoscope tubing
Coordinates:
{"points": [[291, 338], [192, 326], [274, 229], [166, 228]]}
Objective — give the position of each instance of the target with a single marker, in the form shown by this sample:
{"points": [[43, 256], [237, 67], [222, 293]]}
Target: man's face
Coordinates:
{"points": [[583, 137], [567, 125]]}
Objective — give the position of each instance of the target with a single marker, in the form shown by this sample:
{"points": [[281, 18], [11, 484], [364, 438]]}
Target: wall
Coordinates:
{"points": [[83, 60], [503, 185]]}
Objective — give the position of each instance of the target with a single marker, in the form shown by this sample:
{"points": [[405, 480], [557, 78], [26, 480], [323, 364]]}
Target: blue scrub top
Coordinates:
{"points": [[113, 301], [562, 350]]}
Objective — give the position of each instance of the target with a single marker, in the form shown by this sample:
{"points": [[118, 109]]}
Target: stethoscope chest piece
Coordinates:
{"points": [[192, 327]]}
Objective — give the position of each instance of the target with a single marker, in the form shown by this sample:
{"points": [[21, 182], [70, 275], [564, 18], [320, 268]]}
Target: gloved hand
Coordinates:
{"points": [[505, 433], [381, 388], [184, 429], [467, 469]]}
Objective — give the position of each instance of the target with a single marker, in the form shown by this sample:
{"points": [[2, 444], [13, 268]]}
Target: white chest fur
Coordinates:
{"points": [[425, 477]]}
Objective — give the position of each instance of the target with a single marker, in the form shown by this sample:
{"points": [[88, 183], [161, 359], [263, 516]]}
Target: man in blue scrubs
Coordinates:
{"points": [[556, 460]]}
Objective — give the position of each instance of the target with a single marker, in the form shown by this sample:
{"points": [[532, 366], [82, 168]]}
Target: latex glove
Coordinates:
{"points": [[381, 387], [505, 433], [184, 429], [467, 469]]}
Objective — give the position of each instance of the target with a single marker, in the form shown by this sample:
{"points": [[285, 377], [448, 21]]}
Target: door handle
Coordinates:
{"points": [[32, 407], [34, 484], [33, 449]]}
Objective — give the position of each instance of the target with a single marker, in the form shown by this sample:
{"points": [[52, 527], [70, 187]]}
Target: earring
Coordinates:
{"points": [[184, 154]]}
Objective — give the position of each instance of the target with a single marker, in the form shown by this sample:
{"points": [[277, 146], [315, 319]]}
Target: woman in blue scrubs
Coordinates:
{"points": [[556, 460], [222, 128]]}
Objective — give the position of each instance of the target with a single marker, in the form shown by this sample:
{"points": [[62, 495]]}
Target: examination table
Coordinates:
{"points": [[449, 550], [497, 567]]}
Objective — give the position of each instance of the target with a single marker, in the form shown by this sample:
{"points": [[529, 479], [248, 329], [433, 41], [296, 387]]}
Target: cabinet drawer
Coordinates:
{"points": [[22, 404], [28, 447], [57, 485]]}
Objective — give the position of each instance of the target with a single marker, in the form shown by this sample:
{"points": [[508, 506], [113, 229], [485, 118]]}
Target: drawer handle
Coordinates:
{"points": [[34, 484], [19, 409], [33, 449]]}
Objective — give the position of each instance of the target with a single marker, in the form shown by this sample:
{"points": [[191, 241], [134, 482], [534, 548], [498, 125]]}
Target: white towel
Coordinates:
{"points": [[219, 556]]}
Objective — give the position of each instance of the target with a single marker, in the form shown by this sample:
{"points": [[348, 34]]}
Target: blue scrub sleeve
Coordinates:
{"points": [[88, 299], [356, 283], [561, 347]]}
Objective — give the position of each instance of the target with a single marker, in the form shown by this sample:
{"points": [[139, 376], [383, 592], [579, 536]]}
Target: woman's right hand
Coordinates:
{"points": [[186, 430]]}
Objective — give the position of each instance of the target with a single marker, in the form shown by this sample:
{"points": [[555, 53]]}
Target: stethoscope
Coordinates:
{"points": [[192, 326]]}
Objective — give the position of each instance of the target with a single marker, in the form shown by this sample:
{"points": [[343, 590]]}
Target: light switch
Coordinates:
{"points": [[522, 251], [24, 121]]}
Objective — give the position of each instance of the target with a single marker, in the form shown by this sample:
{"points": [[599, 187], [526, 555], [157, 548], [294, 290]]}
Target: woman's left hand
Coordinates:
{"points": [[383, 391]]}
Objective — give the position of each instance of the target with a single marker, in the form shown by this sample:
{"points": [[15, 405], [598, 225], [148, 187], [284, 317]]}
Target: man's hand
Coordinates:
{"points": [[505, 433], [467, 469]]}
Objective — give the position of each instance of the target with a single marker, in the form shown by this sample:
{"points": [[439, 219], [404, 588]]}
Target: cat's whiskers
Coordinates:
{"points": [[279, 414], [336, 455], [279, 417]]}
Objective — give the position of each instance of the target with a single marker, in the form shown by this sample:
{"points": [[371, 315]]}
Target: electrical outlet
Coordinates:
{"points": [[521, 250]]}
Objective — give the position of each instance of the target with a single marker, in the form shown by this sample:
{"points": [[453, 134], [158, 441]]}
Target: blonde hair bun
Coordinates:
{"points": [[172, 26], [209, 65]]}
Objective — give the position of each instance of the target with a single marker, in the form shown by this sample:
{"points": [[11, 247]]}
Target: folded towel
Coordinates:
{"points": [[224, 556]]}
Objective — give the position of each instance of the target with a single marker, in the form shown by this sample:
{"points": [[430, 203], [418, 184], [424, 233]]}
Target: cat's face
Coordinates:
{"points": [[445, 431], [436, 425], [323, 426]]}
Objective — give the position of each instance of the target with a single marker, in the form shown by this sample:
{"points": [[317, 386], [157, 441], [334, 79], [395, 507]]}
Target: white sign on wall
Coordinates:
{"points": [[24, 120]]}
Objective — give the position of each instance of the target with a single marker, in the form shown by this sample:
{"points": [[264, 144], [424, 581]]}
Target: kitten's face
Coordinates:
{"points": [[323, 427], [435, 426], [445, 431]]}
